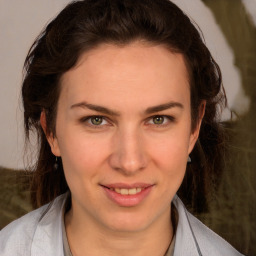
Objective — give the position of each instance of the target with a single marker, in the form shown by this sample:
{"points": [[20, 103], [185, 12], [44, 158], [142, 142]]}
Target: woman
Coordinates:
{"points": [[122, 95]]}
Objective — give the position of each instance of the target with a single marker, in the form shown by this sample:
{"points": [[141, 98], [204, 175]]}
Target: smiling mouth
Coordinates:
{"points": [[127, 195], [125, 191]]}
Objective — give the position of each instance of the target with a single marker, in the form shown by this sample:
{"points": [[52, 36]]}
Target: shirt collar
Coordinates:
{"points": [[45, 244]]}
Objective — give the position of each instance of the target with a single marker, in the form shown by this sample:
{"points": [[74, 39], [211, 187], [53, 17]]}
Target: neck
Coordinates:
{"points": [[86, 238]]}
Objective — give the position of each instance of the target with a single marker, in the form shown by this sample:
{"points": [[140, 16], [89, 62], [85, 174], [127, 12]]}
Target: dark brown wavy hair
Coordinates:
{"points": [[82, 26]]}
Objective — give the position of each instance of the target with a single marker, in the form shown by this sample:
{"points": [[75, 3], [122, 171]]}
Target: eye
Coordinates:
{"points": [[158, 120], [161, 120], [94, 120]]}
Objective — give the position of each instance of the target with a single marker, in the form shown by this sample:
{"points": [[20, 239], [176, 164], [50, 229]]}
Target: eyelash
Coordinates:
{"points": [[170, 119], [89, 118]]}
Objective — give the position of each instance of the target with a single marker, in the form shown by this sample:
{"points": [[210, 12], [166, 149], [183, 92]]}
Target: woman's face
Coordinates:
{"points": [[123, 131]]}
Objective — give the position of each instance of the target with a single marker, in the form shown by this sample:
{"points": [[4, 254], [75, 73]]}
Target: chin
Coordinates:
{"points": [[127, 222]]}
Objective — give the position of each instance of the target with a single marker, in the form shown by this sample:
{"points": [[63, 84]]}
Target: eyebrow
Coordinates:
{"points": [[97, 108], [107, 111], [162, 107]]}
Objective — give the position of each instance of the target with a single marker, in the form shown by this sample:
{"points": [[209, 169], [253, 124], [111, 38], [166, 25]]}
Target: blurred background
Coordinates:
{"points": [[229, 28]]}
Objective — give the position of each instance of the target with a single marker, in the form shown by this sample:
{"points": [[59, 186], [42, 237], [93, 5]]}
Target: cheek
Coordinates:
{"points": [[170, 150], [171, 159], [82, 154], [169, 155]]}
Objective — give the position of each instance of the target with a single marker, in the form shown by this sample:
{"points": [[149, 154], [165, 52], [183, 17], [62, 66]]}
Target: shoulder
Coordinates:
{"points": [[17, 237], [210, 242], [199, 237]]}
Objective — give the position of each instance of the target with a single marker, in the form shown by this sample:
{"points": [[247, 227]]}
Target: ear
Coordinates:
{"points": [[195, 134], [52, 140]]}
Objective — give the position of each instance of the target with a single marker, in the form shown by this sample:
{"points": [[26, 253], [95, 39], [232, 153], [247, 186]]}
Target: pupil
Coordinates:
{"points": [[97, 120], [158, 120]]}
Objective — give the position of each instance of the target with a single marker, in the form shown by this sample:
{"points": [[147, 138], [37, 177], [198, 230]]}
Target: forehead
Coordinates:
{"points": [[111, 74]]}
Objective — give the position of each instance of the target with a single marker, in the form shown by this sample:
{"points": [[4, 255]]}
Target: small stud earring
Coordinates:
{"points": [[56, 163], [189, 159]]}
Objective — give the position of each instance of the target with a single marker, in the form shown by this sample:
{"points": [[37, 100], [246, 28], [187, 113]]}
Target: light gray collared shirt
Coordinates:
{"points": [[39, 233]]}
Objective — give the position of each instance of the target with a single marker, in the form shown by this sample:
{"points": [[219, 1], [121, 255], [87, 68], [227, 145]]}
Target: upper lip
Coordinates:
{"points": [[127, 186]]}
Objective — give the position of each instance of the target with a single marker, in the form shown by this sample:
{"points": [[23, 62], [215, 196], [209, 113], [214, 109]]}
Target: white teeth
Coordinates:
{"points": [[132, 191], [138, 190], [125, 191]]}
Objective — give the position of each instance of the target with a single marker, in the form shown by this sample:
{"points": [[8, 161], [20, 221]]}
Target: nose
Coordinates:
{"points": [[128, 154]]}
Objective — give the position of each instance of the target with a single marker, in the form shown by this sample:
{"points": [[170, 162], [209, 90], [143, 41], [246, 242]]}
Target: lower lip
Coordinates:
{"points": [[127, 200]]}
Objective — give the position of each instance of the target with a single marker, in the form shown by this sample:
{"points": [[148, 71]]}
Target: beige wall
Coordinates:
{"points": [[20, 23]]}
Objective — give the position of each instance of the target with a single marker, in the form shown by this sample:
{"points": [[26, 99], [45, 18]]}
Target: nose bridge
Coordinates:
{"points": [[128, 154]]}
